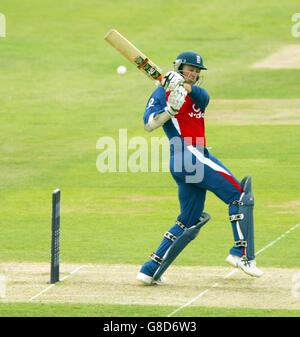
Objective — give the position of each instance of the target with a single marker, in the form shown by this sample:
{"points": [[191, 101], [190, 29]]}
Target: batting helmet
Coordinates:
{"points": [[190, 58]]}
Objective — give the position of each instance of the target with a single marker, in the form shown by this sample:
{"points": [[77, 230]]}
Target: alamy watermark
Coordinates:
{"points": [[2, 286], [296, 285], [137, 155], [2, 25], [296, 27]]}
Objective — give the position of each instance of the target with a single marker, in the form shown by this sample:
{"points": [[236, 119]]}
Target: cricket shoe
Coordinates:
{"points": [[248, 266], [149, 280]]}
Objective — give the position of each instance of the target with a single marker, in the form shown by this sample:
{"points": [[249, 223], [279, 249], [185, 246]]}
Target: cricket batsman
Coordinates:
{"points": [[179, 105]]}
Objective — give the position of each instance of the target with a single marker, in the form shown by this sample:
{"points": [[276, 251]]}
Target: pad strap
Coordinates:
{"points": [[236, 217], [181, 225], [241, 243], [237, 202], [156, 258], [170, 236]]}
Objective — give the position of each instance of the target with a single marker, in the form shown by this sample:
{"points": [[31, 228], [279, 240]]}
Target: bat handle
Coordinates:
{"points": [[159, 78]]}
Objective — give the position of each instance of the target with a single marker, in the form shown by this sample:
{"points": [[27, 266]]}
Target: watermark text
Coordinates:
{"points": [[2, 25], [2, 286], [296, 285], [137, 154], [296, 27]]}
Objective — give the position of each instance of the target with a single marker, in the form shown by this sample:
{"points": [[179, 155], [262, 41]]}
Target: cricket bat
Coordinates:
{"points": [[134, 55]]}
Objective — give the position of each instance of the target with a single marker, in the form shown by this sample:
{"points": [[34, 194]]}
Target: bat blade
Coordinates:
{"points": [[134, 55]]}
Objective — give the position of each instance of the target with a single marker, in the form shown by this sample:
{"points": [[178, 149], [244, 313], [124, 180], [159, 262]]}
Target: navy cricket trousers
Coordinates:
{"points": [[195, 172], [211, 175]]}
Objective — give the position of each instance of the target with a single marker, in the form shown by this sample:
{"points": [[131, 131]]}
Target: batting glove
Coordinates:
{"points": [[177, 98], [171, 80]]}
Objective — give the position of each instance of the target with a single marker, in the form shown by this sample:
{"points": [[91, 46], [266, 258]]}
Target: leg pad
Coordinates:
{"points": [[179, 244], [242, 221]]}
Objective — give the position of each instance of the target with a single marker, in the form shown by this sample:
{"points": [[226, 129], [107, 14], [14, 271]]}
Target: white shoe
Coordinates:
{"points": [[248, 266], [148, 280]]}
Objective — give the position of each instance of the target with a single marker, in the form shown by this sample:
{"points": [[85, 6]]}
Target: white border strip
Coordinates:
{"points": [[231, 273], [206, 160], [52, 285]]}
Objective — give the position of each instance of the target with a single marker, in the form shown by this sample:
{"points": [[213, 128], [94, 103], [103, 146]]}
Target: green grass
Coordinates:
{"points": [[109, 310], [60, 93], [89, 222]]}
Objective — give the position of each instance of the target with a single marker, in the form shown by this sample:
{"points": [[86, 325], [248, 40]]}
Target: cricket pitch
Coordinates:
{"points": [[116, 284]]}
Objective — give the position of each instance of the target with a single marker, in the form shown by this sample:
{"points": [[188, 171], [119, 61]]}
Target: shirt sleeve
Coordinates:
{"points": [[156, 104], [200, 97]]}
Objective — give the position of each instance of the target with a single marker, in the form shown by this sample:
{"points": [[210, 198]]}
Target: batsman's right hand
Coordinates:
{"points": [[177, 98], [171, 80]]}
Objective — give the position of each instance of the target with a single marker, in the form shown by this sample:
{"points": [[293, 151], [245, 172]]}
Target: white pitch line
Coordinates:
{"points": [[72, 272], [231, 273], [41, 292], [52, 285], [279, 238]]}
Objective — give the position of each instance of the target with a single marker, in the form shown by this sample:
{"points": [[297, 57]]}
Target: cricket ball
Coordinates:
{"points": [[121, 70]]}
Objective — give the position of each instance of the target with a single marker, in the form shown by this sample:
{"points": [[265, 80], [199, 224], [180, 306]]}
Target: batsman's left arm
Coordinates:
{"points": [[167, 110], [156, 113]]}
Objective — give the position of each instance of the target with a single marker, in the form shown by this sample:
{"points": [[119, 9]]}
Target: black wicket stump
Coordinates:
{"points": [[55, 236]]}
